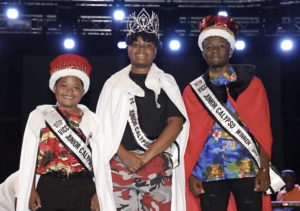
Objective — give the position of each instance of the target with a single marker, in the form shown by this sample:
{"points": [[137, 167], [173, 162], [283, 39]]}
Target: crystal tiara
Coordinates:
{"points": [[142, 23]]}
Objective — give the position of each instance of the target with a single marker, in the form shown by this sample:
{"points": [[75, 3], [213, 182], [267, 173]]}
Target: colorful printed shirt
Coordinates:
{"points": [[222, 156], [52, 155]]}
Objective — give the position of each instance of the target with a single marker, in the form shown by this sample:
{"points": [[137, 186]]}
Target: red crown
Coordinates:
{"points": [[218, 21], [70, 61]]}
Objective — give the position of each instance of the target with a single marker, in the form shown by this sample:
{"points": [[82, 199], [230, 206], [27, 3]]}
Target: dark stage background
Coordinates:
{"points": [[24, 75]]}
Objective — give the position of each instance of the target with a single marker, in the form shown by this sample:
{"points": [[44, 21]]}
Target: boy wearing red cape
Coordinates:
{"points": [[217, 166]]}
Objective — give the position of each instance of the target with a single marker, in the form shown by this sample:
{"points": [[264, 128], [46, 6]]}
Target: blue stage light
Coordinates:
{"points": [[122, 45], [69, 43], [286, 45], [174, 45], [119, 15], [12, 13], [240, 45], [223, 13]]}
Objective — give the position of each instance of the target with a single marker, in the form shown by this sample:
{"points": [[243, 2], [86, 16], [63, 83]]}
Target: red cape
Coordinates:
{"points": [[253, 108]]}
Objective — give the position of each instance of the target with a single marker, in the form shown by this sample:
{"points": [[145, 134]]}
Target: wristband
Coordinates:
{"points": [[264, 169]]}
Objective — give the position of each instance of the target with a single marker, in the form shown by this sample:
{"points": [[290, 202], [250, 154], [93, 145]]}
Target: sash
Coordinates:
{"points": [[236, 130], [142, 140], [69, 138]]}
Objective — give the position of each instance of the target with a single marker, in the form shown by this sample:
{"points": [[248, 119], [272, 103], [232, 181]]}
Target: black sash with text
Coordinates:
{"points": [[142, 140], [232, 126], [69, 138]]}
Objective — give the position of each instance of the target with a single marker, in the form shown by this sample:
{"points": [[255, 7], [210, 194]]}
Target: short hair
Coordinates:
{"points": [[147, 37], [288, 171]]}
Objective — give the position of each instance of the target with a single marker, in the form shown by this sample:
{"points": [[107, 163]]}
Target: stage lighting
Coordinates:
{"points": [[122, 45], [174, 45], [286, 45], [69, 43], [119, 15], [12, 13], [223, 13], [240, 45]]}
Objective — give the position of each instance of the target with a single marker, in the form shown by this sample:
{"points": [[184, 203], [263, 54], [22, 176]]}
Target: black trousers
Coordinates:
{"points": [[65, 195], [217, 194]]}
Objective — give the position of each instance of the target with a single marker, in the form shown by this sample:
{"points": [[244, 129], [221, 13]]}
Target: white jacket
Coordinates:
{"points": [[113, 111], [89, 124]]}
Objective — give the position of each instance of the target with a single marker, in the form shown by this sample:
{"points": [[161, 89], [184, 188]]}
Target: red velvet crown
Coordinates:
{"points": [[218, 21], [70, 61]]}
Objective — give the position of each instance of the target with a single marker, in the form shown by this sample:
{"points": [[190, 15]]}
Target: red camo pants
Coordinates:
{"points": [[147, 189]]}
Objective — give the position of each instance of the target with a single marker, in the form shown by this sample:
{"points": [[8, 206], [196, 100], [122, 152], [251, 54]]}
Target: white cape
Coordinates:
{"points": [[89, 124], [113, 111], [8, 192]]}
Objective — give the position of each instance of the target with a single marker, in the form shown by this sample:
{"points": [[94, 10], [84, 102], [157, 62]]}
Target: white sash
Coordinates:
{"points": [[141, 139], [224, 118], [69, 138]]}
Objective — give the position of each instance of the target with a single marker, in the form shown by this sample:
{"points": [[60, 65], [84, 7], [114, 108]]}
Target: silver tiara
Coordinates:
{"points": [[142, 23]]}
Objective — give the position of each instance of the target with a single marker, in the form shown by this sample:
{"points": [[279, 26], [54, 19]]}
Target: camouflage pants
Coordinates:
{"points": [[148, 189]]}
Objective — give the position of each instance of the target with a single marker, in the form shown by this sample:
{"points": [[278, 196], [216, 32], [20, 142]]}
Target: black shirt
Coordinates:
{"points": [[152, 119]]}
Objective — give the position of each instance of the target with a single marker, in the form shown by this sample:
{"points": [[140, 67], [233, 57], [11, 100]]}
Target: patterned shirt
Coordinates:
{"points": [[52, 155], [222, 156]]}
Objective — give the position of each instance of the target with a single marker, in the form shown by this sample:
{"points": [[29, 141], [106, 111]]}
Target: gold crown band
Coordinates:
{"points": [[218, 27]]}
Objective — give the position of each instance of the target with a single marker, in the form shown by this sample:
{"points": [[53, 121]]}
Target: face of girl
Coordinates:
{"points": [[68, 92]]}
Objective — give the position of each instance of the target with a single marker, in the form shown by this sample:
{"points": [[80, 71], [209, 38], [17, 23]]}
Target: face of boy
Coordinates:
{"points": [[68, 92], [216, 51], [141, 54]]}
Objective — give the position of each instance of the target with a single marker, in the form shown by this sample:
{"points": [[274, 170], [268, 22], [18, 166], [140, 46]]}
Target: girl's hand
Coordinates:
{"points": [[34, 200], [95, 203]]}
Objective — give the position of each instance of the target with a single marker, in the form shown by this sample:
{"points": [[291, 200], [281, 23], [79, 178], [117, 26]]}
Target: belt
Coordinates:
{"points": [[68, 176]]}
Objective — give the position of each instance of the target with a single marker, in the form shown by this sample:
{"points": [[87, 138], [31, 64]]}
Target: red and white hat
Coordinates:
{"points": [[217, 25], [70, 65]]}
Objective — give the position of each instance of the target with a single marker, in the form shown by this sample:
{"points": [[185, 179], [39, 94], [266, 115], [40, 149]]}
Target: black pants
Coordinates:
{"points": [[65, 195], [217, 194]]}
